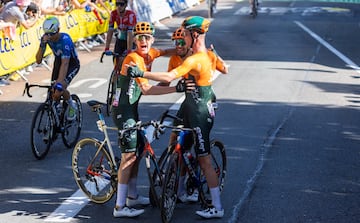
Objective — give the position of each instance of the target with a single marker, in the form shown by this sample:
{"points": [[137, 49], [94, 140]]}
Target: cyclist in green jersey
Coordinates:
{"points": [[198, 111]]}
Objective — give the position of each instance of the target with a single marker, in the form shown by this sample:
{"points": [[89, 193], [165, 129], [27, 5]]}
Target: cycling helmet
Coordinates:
{"points": [[23, 2], [144, 28], [197, 23], [177, 34], [51, 25]]}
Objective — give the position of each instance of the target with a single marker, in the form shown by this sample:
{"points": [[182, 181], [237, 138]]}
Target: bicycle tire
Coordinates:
{"points": [[158, 177], [71, 129], [110, 92], [94, 171], [42, 130], [219, 162], [169, 194]]}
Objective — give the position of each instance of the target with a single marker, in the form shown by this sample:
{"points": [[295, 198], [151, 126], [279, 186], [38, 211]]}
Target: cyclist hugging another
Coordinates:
{"points": [[125, 114], [198, 112], [66, 62]]}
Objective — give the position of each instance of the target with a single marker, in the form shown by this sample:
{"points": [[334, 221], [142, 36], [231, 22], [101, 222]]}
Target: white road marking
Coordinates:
{"points": [[349, 63]]}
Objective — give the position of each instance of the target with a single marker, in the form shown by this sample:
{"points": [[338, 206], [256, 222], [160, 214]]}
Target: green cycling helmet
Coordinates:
{"points": [[197, 23]]}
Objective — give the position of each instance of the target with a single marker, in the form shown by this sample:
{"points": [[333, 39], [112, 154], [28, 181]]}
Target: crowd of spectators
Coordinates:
{"points": [[25, 13]]}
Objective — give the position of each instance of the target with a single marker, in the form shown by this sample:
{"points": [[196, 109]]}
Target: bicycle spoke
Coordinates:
{"points": [[41, 132], [93, 170]]}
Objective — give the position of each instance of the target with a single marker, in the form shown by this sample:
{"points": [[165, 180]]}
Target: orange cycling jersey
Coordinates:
{"points": [[216, 64], [144, 64]]}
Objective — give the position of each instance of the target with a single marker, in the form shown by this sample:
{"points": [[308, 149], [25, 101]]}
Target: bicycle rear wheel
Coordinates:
{"points": [[94, 171], [218, 160], [169, 194], [42, 130], [72, 129], [110, 92]]}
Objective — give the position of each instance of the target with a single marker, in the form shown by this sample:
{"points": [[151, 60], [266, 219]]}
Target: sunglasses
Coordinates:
{"points": [[50, 34], [143, 37], [179, 42], [120, 3]]}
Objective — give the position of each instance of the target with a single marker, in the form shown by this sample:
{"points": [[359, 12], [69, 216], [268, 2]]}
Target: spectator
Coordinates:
{"points": [[13, 12], [50, 9], [89, 6]]}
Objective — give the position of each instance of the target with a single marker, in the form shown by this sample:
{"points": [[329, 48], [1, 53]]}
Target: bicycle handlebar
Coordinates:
{"points": [[28, 86], [112, 54]]}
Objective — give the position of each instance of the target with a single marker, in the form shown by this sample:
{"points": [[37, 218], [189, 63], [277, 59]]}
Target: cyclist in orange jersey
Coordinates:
{"points": [[198, 111], [125, 114], [183, 50]]}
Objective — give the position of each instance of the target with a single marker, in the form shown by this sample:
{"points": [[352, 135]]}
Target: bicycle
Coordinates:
{"points": [[254, 8], [118, 59], [95, 166], [49, 120], [177, 154]]}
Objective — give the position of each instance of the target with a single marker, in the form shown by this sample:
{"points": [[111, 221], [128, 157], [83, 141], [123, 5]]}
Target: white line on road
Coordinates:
{"points": [[349, 63]]}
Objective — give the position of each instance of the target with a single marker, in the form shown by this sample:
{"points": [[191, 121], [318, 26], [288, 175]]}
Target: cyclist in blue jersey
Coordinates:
{"points": [[66, 63]]}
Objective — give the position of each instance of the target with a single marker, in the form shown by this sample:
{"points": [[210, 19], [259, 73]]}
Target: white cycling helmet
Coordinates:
{"points": [[51, 25]]}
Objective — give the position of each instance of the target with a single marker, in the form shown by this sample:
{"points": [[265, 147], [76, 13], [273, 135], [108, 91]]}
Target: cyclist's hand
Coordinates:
{"points": [[180, 86], [134, 71], [43, 41], [108, 52]]}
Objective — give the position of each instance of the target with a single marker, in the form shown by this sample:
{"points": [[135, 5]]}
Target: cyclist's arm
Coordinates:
{"points": [[129, 40], [42, 47], [148, 89], [109, 36], [39, 55]]}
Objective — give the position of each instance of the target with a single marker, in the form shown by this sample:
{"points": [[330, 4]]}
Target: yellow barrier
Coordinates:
{"points": [[19, 53]]}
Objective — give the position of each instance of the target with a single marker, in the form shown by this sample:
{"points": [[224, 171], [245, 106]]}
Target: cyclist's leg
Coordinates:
{"points": [[73, 69], [202, 148], [123, 116]]}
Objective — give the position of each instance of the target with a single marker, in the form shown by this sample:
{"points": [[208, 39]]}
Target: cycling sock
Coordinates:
{"points": [[215, 197], [121, 195], [132, 190]]}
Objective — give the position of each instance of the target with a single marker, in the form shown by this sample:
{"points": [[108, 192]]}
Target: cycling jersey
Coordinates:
{"points": [[123, 24], [126, 113], [64, 49], [197, 107]]}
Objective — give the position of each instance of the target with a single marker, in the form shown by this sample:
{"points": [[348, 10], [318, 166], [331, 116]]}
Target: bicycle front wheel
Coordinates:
{"points": [[72, 128], [94, 171], [110, 92], [158, 176], [169, 194], [42, 130]]}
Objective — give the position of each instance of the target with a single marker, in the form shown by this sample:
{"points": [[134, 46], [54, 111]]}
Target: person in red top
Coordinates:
{"points": [[125, 21]]}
